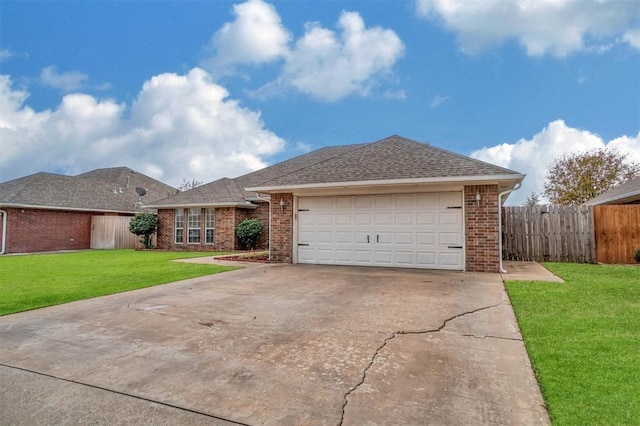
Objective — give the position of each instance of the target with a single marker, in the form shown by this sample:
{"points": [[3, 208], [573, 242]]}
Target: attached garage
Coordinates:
{"points": [[420, 230]]}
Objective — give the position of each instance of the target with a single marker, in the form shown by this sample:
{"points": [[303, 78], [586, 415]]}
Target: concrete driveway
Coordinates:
{"points": [[276, 344]]}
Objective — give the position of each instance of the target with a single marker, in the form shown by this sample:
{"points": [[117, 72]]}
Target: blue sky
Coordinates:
{"points": [[205, 89]]}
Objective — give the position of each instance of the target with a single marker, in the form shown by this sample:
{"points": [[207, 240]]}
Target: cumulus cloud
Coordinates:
{"points": [[533, 156], [65, 81], [324, 64], [256, 36], [555, 27], [179, 127]]}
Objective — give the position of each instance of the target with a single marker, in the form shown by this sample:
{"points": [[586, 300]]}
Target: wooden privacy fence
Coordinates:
{"points": [[112, 232], [617, 233], [549, 233]]}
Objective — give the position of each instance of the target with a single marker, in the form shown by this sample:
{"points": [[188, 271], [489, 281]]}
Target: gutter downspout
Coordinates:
{"points": [[515, 188], [268, 200], [4, 231]]}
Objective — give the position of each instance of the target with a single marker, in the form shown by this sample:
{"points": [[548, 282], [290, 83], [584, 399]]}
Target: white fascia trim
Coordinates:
{"points": [[610, 199], [193, 205], [75, 209], [389, 182]]}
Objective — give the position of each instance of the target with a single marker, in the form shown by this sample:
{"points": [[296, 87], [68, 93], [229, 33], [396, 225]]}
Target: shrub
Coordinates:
{"points": [[637, 255], [248, 232], [144, 225]]}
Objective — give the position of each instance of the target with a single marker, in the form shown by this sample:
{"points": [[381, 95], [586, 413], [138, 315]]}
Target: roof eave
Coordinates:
{"points": [[484, 179], [245, 205], [77, 209], [608, 200]]}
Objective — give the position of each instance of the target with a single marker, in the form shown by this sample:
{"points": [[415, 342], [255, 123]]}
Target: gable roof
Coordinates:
{"points": [[628, 192], [108, 190], [395, 160], [231, 192]]}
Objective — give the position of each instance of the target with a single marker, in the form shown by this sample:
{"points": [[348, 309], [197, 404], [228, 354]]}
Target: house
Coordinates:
{"points": [[395, 202], [627, 193], [49, 212]]}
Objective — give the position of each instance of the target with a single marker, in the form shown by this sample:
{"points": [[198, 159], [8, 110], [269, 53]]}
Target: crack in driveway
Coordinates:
{"points": [[406, 332]]}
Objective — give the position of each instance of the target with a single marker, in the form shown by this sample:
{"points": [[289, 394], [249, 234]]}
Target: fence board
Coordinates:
{"points": [[617, 233], [112, 232], [551, 233]]}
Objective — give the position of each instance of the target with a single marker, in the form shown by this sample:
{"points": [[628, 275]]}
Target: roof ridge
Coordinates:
{"points": [[355, 147]]}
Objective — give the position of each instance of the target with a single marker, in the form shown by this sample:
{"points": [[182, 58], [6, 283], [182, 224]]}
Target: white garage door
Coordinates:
{"points": [[402, 230]]}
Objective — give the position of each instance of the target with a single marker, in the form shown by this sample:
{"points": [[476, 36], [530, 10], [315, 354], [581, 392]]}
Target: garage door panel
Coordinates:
{"points": [[405, 230], [450, 238], [404, 237]]}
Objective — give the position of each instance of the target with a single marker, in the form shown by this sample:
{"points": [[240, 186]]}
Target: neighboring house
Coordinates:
{"points": [[627, 193], [49, 212], [395, 202]]}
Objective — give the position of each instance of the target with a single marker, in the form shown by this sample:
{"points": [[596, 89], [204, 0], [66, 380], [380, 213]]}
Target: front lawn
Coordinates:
{"points": [[34, 281], [583, 338]]}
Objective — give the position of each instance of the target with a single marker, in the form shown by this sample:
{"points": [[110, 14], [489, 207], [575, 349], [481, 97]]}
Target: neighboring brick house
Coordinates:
{"points": [[395, 202], [627, 193], [50, 212]]}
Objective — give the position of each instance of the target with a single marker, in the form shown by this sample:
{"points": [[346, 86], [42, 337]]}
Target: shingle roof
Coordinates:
{"points": [[388, 159], [231, 191], [625, 193], [392, 158], [99, 190]]}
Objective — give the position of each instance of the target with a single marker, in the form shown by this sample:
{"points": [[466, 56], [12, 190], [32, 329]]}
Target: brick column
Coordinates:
{"points": [[481, 228], [281, 228]]}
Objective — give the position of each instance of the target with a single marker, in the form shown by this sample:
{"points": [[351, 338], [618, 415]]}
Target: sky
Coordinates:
{"points": [[183, 90]]}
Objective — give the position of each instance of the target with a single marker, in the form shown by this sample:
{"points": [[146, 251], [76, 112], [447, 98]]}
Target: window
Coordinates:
{"points": [[179, 226], [193, 223], [209, 226]]}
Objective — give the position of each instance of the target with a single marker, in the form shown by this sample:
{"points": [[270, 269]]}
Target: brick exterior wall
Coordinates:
{"points": [[481, 228], [225, 222], [35, 230], [282, 228]]}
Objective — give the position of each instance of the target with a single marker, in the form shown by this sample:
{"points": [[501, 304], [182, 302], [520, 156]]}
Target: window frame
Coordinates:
{"points": [[209, 225], [178, 214], [191, 226]]}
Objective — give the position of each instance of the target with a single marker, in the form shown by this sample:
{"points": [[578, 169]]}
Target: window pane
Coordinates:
{"points": [[193, 223], [179, 226], [210, 235], [209, 220]]}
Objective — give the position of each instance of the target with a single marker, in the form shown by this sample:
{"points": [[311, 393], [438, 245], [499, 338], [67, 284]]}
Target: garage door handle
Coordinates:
{"points": [[459, 247], [377, 238], [367, 239], [303, 244]]}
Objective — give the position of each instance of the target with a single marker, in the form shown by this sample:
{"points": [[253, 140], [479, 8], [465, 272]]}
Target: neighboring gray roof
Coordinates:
{"points": [[98, 190], [393, 158], [626, 193]]}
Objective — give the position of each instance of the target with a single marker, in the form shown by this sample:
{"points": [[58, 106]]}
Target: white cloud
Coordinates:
{"points": [[324, 64], [180, 126], [437, 101], [557, 27], [6, 54], [66, 81], [633, 37], [533, 156], [255, 37]]}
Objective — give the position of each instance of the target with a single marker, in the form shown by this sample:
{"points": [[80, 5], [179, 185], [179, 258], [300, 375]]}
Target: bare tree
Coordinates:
{"points": [[187, 185], [576, 178], [532, 200]]}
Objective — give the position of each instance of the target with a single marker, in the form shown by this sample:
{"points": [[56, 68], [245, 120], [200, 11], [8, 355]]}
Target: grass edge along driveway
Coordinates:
{"points": [[35, 281], [582, 337]]}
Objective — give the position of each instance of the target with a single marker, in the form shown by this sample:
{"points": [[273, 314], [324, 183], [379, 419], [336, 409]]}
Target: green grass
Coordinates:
{"points": [[34, 281], [583, 338]]}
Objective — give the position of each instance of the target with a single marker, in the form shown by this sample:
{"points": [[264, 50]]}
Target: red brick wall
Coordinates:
{"points": [[282, 228], [481, 228], [165, 229], [35, 230]]}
